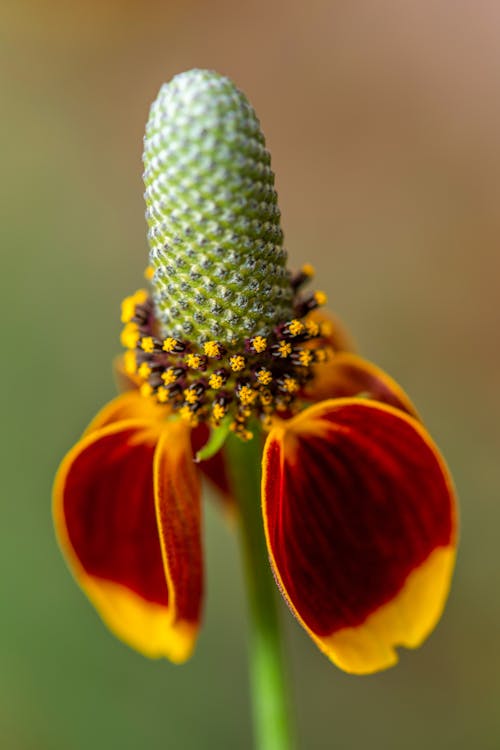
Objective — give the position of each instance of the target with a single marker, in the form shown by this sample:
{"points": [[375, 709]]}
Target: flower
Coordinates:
{"points": [[358, 506]]}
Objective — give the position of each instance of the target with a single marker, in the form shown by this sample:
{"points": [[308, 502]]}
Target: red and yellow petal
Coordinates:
{"points": [[360, 521], [178, 514], [109, 512], [346, 375], [132, 405]]}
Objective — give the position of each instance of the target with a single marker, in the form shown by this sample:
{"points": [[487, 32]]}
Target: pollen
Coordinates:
{"points": [[148, 344], [212, 349], [312, 328], [190, 395], [284, 349], [144, 371], [305, 357], [247, 395], [296, 327], [290, 385], [130, 303], [130, 362], [188, 415], [162, 395], [259, 344], [128, 309], [308, 270], [264, 376], [146, 389], [130, 336], [171, 345], [237, 362], [320, 298], [219, 411], [149, 272], [215, 381], [169, 377], [193, 361], [266, 397]]}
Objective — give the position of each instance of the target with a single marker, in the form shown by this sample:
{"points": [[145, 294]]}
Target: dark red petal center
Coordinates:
{"points": [[110, 514]]}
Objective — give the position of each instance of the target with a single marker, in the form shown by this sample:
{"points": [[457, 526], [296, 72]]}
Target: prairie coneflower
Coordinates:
{"points": [[230, 362]]}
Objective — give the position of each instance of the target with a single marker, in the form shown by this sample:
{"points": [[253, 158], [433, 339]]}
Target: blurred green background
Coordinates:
{"points": [[383, 119]]}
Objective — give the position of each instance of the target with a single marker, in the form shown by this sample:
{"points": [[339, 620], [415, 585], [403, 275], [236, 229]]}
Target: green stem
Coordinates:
{"points": [[272, 726]]}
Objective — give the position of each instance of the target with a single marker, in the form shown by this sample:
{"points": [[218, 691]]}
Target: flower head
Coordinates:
{"points": [[358, 506]]}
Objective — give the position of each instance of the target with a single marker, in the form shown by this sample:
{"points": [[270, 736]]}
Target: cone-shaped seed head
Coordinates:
{"points": [[215, 239]]}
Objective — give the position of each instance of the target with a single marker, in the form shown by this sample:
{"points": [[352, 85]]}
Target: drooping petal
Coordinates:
{"points": [[132, 405], [178, 513], [106, 521], [360, 522], [347, 374]]}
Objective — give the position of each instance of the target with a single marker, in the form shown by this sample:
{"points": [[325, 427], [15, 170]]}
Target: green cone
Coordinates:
{"points": [[215, 239]]}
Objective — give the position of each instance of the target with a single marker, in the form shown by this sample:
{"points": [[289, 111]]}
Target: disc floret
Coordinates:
{"points": [[209, 381]]}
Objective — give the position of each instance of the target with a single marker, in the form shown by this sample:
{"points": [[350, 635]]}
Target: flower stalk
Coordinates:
{"points": [[271, 706]]}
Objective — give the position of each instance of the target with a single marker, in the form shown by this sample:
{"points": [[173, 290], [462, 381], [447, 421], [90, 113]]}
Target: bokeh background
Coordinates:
{"points": [[383, 120]]}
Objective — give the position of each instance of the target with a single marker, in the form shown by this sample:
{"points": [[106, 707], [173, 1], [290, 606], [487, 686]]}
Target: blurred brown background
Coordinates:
{"points": [[383, 119]]}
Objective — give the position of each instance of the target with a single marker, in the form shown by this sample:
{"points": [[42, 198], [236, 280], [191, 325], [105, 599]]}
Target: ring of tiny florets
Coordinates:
{"points": [[211, 382]]}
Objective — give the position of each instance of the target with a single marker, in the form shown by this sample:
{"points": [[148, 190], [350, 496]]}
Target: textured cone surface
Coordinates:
{"points": [[215, 239]]}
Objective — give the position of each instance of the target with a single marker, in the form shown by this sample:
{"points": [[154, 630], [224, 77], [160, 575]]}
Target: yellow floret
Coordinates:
{"points": [[129, 362], [308, 270], [247, 395], [312, 328], [285, 348], [168, 377], [295, 327], [190, 396], [169, 345], [127, 309], [162, 395], [211, 349], [290, 385], [130, 336], [305, 357], [130, 303], [146, 389], [266, 397], [148, 344], [259, 344], [187, 415], [144, 371], [320, 298], [193, 361], [237, 362], [218, 412], [215, 381], [264, 377]]}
